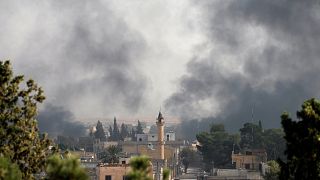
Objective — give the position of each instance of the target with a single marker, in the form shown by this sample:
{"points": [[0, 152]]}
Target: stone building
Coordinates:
{"points": [[161, 147], [112, 171], [251, 159]]}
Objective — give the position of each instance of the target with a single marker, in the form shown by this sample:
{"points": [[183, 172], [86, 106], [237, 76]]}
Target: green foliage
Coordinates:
{"points": [[133, 135], [274, 143], [8, 170], [216, 147], [66, 142], [254, 137], [112, 154], [19, 135], [251, 136], [166, 174], [303, 143], [141, 168], [115, 133], [99, 134], [67, 168], [124, 131], [187, 156], [274, 171], [139, 128]]}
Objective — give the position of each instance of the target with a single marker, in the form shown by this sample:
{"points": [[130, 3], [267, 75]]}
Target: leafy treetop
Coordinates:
{"points": [[303, 143], [99, 134], [20, 140], [141, 168]]}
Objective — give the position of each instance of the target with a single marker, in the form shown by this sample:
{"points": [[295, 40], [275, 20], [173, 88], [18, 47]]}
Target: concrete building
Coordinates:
{"points": [[151, 149], [170, 136], [161, 147], [115, 171], [234, 174], [85, 156], [251, 159], [90, 168], [112, 171]]}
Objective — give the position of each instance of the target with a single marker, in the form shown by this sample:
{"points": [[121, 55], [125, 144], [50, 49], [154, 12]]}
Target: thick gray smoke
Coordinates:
{"points": [[57, 121], [260, 54], [101, 58], [84, 56]]}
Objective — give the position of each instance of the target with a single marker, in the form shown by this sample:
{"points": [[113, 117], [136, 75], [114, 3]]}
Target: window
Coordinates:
{"points": [[140, 139], [108, 177], [125, 177], [123, 162], [168, 137], [247, 166]]}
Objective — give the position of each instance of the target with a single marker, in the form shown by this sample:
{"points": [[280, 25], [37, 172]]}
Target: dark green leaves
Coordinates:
{"points": [[19, 134], [303, 145]]}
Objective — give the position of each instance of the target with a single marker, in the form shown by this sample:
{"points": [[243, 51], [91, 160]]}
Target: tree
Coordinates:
{"points": [[67, 167], [273, 173], [20, 139], [124, 131], [187, 156], [133, 135], [254, 137], [216, 147], [141, 168], [260, 126], [166, 174], [8, 170], [139, 128], [115, 135], [99, 134], [303, 143], [274, 143], [251, 136], [112, 154], [111, 133]]}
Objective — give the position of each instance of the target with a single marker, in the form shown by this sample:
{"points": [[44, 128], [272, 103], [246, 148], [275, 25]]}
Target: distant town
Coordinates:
{"points": [[107, 149], [160, 90]]}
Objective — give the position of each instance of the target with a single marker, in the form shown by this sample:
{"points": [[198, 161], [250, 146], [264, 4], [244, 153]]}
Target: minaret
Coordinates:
{"points": [[160, 124]]}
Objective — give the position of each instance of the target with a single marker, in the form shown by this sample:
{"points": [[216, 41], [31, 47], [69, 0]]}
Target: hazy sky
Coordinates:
{"points": [[193, 58]]}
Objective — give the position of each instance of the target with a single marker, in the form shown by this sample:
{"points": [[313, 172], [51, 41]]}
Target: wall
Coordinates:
{"points": [[152, 137], [144, 150], [242, 160], [171, 136], [142, 137], [117, 171]]}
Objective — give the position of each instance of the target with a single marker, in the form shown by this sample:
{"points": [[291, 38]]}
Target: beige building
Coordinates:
{"points": [[156, 146], [235, 174], [250, 160], [150, 149], [115, 171], [112, 171], [161, 147], [85, 156]]}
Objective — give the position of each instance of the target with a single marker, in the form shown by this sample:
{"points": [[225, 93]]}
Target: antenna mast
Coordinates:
{"points": [[252, 120]]}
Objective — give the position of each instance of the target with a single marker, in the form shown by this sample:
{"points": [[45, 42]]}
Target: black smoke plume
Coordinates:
{"points": [[260, 57], [57, 121]]}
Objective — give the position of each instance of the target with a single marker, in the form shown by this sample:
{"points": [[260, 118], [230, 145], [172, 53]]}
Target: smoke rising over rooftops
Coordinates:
{"points": [[259, 54], [212, 58], [57, 121]]}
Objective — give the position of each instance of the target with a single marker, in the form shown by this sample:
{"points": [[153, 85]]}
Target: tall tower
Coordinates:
{"points": [[160, 125]]}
